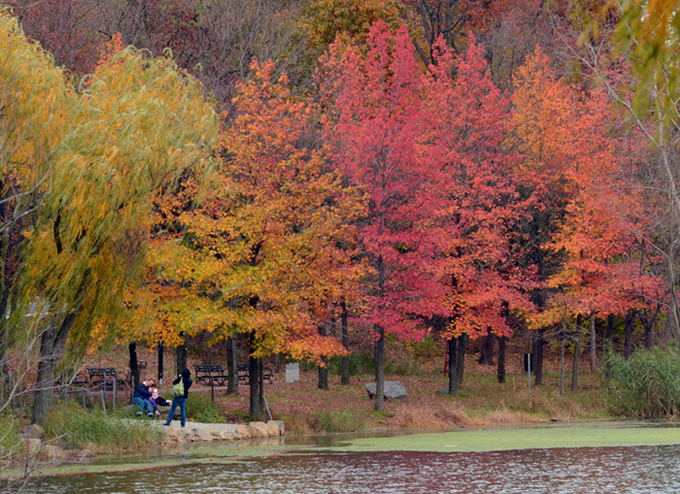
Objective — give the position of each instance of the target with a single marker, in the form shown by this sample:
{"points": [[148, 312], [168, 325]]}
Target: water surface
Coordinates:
{"points": [[640, 469]]}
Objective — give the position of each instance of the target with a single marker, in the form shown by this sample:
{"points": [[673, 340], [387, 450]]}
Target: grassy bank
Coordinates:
{"points": [[480, 401], [73, 427]]}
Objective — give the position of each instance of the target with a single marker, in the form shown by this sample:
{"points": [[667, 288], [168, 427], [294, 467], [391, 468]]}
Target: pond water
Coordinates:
{"points": [[639, 469]]}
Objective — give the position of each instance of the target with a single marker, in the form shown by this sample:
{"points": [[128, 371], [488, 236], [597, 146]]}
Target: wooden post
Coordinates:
{"points": [[115, 391], [83, 395], [103, 391]]}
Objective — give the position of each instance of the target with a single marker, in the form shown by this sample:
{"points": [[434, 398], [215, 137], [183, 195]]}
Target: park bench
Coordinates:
{"points": [[99, 375], [68, 378], [244, 374], [210, 374]]}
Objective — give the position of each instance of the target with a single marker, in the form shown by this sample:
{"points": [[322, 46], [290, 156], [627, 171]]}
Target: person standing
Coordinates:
{"points": [[182, 399]]}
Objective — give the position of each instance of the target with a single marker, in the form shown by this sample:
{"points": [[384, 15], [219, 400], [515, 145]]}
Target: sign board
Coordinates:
{"points": [[527, 363], [293, 373]]}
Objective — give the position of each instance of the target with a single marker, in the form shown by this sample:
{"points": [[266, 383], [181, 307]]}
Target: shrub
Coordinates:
{"points": [[646, 384], [360, 363], [200, 408], [338, 421], [81, 428], [10, 438]]}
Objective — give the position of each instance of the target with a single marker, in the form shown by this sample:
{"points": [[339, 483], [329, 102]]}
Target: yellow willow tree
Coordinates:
{"points": [[263, 252], [33, 101], [137, 124]]}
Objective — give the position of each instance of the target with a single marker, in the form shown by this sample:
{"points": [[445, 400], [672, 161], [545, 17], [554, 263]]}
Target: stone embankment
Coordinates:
{"points": [[38, 447], [199, 432]]}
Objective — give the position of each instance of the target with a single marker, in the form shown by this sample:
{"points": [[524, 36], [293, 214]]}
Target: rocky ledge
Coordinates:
{"points": [[199, 432]]}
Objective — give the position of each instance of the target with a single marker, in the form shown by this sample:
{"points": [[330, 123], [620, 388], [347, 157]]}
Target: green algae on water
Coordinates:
{"points": [[511, 439]]}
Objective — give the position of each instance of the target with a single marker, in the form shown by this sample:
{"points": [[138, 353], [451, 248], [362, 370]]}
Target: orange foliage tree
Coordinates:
{"points": [[261, 254]]}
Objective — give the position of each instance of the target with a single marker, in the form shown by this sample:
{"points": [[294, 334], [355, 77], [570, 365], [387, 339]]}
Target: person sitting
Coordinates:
{"points": [[156, 399], [141, 398]]}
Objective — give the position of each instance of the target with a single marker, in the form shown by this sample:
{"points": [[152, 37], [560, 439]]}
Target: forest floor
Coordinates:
{"points": [[481, 400]]}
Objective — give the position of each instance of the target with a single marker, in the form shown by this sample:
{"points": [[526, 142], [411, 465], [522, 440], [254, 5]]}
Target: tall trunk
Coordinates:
{"points": [[562, 367], [453, 376], [181, 352], [648, 320], [4, 295], [577, 353], [160, 363], [379, 368], [460, 361], [52, 345], [593, 346], [380, 343], [344, 321], [323, 368], [134, 369], [232, 364], [255, 392], [486, 356], [500, 374], [611, 326], [537, 357], [629, 328]]}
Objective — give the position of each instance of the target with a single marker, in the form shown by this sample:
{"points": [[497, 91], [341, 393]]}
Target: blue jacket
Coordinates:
{"points": [[142, 392]]}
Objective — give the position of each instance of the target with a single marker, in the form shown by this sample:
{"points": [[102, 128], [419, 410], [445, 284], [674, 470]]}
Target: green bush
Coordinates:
{"points": [[200, 408], [360, 363], [645, 385], [427, 348], [10, 438], [339, 421], [79, 428]]}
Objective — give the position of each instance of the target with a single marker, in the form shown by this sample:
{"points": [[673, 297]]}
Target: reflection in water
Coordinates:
{"points": [[650, 469]]}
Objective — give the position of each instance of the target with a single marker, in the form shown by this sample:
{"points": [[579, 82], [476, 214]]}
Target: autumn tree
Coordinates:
{"points": [[34, 96], [136, 124], [480, 206], [73, 32], [373, 130], [261, 255]]}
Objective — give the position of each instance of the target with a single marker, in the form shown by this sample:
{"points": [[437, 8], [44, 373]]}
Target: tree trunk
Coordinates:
{"points": [[255, 392], [52, 345], [232, 364], [460, 361], [577, 353], [611, 326], [160, 363], [648, 320], [500, 374], [537, 358], [134, 369], [562, 367], [629, 328], [453, 368], [323, 369], [593, 346], [380, 342], [181, 353], [380, 368], [486, 356], [344, 321]]}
